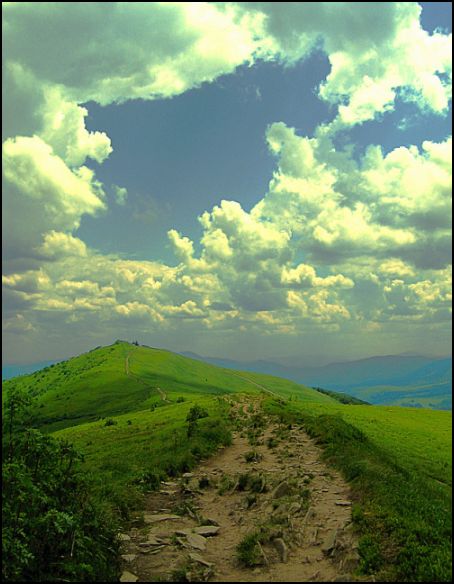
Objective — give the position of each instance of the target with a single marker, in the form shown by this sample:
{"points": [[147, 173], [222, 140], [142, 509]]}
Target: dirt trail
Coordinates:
{"points": [[301, 507], [263, 388], [128, 372]]}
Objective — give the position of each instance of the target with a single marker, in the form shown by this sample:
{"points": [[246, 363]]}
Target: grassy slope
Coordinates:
{"points": [[95, 384], [400, 464], [418, 439], [148, 431], [128, 455]]}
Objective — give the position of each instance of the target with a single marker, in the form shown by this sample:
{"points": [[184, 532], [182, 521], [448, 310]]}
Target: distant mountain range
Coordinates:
{"points": [[9, 371], [408, 380]]}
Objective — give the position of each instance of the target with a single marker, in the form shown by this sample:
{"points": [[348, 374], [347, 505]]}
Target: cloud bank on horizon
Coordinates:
{"points": [[339, 247]]}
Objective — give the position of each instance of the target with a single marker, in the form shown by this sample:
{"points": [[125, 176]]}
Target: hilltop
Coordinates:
{"points": [[124, 377]]}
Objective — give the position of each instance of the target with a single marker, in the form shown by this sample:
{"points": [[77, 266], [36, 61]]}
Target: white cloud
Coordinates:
{"points": [[63, 128], [396, 205], [61, 55], [42, 194], [116, 51], [321, 206], [121, 195], [376, 51], [334, 242], [60, 245]]}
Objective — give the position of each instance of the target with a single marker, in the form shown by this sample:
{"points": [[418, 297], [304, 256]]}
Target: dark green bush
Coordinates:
{"points": [[54, 528], [195, 413]]}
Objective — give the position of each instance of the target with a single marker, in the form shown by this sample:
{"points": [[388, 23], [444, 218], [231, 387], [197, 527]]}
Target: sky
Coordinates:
{"points": [[250, 180]]}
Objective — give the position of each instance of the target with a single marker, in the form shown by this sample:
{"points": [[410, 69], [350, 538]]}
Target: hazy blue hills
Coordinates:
{"points": [[407, 380], [9, 371]]}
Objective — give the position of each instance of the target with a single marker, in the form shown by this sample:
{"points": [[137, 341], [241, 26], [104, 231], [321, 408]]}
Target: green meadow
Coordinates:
{"points": [[125, 408]]}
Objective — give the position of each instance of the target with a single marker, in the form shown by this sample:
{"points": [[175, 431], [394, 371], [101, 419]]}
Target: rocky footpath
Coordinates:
{"points": [[265, 509]]}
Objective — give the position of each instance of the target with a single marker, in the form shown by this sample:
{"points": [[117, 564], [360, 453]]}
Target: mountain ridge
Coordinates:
{"points": [[413, 372]]}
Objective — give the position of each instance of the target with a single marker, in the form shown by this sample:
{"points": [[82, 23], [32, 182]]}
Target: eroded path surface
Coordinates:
{"points": [[270, 483]]}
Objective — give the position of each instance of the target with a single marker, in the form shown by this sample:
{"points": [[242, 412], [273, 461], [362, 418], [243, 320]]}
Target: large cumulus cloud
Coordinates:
{"points": [[378, 52]]}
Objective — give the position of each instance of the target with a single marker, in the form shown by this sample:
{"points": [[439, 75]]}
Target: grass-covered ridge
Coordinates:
{"points": [[122, 378], [126, 409]]}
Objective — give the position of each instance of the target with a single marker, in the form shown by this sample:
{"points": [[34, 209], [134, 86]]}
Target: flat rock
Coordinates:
{"points": [[152, 540], [281, 548], [330, 542], [196, 541], [343, 503], [313, 537], [210, 521], [128, 557], [128, 577], [310, 514], [281, 490], [156, 518], [156, 550], [123, 537], [351, 561], [207, 530], [198, 558]]}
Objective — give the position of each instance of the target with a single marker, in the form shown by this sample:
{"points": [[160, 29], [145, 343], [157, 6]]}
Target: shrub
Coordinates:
{"points": [[149, 480], [226, 484], [195, 413], [271, 442], [54, 527], [248, 550], [204, 482], [252, 456]]}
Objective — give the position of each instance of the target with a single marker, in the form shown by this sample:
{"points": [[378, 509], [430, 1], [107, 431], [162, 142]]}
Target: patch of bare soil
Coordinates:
{"points": [[265, 509]]}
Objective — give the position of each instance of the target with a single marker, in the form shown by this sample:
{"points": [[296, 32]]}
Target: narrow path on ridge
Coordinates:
{"points": [[270, 481], [263, 388], [128, 372]]}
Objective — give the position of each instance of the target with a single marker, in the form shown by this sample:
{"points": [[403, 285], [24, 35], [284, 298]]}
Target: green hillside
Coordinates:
{"points": [[124, 378], [126, 408]]}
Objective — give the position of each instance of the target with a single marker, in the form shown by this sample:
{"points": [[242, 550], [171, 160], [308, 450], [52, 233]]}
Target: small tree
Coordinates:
{"points": [[194, 414]]}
